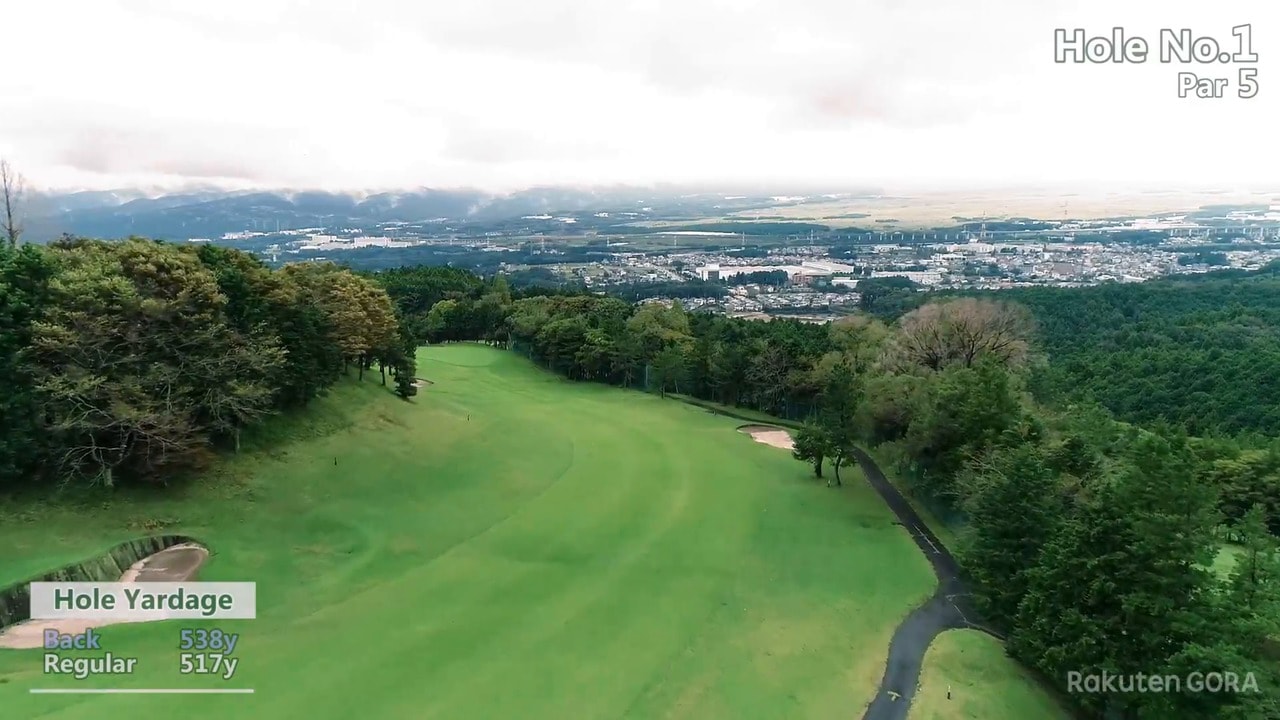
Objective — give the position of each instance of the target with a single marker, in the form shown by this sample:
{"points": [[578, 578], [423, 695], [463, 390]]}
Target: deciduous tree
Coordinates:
{"points": [[12, 189], [962, 332]]}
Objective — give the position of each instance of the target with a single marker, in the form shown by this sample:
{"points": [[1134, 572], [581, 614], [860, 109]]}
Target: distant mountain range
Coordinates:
{"points": [[212, 213]]}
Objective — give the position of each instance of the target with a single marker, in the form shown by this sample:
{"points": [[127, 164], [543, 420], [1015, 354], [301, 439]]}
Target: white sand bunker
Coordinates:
{"points": [[176, 564], [769, 435], [421, 382]]}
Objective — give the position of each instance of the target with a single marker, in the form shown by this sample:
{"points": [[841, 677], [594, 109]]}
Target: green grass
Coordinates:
{"points": [[964, 656], [1225, 561], [738, 413], [946, 533], [942, 530], [570, 551], [985, 683]]}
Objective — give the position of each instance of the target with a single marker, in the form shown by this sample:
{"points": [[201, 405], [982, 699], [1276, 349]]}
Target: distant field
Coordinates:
{"points": [[984, 683], [508, 545], [943, 209]]}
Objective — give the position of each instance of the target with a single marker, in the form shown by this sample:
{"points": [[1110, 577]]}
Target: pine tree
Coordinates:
{"points": [[837, 415], [405, 386], [1122, 585], [1014, 503], [811, 445]]}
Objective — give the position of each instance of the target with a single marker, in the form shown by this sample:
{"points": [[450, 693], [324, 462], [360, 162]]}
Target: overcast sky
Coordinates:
{"points": [[501, 94]]}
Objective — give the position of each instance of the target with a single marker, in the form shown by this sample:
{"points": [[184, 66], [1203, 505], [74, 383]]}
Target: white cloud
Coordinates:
{"points": [[506, 93]]}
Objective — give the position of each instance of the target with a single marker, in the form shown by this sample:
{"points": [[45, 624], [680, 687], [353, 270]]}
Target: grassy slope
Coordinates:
{"points": [[965, 658], [944, 532], [984, 683], [569, 551]]}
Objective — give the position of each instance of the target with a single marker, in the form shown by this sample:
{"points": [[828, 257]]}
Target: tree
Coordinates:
{"points": [[963, 413], [628, 359], [595, 357], [25, 275], [1123, 584], [812, 445], [860, 338], [837, 415], [404, 363], [890, 406], [380, 326], [731, 366], [560, 340], [13, 188], [768, 372], [961, 332], [669, 369], [406, 386], [127, 361], [1013, 503], [1255, 579], [656, 327], [360, 314], [238, 392], [271, 308], [704, 381], [133, 354], [1246, 479], [444, 321], [886, 297]]}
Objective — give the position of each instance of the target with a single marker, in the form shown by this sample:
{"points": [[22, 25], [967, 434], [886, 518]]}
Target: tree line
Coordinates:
{"points": [[1198, 351], [1088, 541], [134, 361]]}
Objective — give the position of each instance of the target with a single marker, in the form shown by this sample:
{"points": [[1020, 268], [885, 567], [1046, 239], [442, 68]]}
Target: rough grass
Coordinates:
{"points": [[985, 683], [1225, 561], [568, 551]]}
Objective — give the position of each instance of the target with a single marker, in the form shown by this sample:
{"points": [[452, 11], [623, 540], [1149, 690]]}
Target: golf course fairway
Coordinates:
{"points": [[509, 544]]}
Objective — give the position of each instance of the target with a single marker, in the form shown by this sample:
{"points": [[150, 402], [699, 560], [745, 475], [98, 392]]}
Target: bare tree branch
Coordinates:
{"points": [[961, 331], [12, 187]]}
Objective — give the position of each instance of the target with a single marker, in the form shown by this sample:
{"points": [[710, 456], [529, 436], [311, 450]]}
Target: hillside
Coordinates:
{"points": [[511, 544], [210, 213], [152, 371], [1063, 511]]}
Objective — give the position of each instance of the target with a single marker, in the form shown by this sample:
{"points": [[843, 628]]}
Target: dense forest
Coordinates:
{"points": [[1197, 351], [1089, 541], [133, 361]]}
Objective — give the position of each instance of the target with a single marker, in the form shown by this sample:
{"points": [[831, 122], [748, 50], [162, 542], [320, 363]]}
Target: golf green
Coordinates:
{"points": [[509, 544]]}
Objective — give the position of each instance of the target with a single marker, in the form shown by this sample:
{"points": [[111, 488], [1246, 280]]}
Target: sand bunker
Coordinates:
{"points": [[769, 435], [421, 382], [176, 564]]}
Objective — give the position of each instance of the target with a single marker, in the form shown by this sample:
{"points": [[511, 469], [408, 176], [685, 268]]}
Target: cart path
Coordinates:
{"points": [[948, 609]]}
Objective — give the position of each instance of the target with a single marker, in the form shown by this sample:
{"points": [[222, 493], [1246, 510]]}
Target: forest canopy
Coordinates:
{"points": [[132, 361]]}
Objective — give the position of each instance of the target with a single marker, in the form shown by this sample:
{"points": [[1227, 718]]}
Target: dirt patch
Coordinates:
{"points": [[176, 564], [769, 435], [421, 382]]}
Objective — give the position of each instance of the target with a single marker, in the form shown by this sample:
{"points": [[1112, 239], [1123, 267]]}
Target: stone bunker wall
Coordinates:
{"points": [[15, 600]]}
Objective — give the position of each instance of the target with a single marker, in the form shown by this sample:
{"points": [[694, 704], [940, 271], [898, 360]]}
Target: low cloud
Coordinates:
{"points": [[383, 93]]}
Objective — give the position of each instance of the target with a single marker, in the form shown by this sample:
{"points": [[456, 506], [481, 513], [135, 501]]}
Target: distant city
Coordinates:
{"points": [[814, 275], [804, 256]]}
